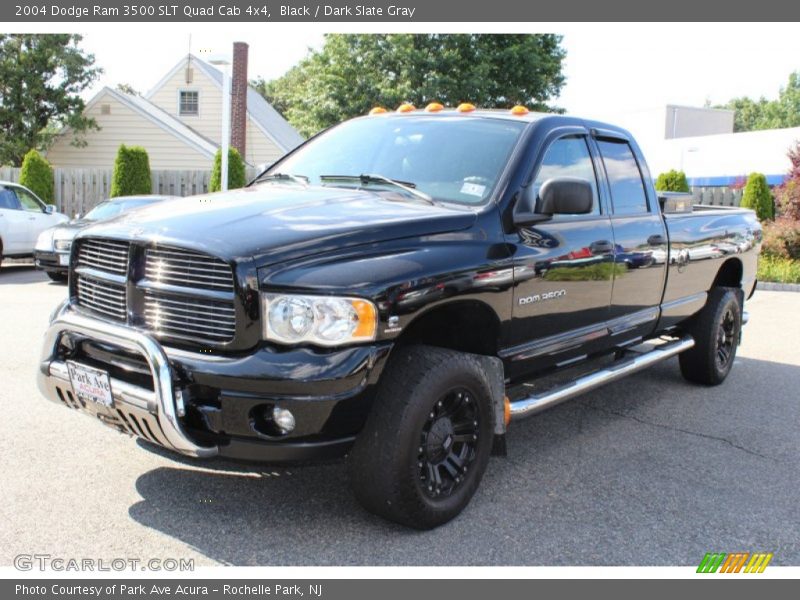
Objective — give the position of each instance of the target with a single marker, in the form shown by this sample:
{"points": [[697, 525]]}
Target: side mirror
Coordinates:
{"points": [[49, 209], [558, 196]]}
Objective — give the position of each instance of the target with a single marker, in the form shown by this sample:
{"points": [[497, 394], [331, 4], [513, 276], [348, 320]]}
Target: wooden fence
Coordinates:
{"points": [[77, 191]]}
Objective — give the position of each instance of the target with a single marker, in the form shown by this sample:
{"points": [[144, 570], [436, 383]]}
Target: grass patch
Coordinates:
{"points": [[778, 270]]}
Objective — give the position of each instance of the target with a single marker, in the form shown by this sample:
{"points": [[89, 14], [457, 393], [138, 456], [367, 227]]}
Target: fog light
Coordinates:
{"points": [[283, 419]]}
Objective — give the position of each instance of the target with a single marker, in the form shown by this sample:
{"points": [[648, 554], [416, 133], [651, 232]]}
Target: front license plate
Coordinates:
{"points": [[90, 384]]}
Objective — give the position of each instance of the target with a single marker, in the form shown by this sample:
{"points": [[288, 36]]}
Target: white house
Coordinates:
{"points": [[179, 121]]}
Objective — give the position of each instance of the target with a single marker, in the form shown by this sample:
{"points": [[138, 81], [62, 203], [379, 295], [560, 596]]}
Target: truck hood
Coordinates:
{"points": [[271, 223]]}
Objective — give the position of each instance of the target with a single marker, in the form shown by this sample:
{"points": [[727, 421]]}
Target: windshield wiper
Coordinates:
{"points": [[301, 179], [406, 186]]}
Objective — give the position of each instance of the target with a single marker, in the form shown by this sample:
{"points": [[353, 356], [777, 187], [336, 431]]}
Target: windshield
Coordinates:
{"points": [[106, 210], [455, 159]]}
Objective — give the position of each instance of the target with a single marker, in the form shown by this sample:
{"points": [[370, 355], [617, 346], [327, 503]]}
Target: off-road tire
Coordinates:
{"points": [[390, 473], [716, 331]]}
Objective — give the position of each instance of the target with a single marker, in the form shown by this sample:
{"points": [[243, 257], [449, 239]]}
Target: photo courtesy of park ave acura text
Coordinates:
{"points": [[397, 293]]}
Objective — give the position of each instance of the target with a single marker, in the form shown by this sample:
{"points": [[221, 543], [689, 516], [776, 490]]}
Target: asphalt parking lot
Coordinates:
{"points": [[647, 471]]}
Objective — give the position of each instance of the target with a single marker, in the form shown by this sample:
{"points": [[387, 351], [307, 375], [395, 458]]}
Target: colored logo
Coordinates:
{"points": [[736, 562]]}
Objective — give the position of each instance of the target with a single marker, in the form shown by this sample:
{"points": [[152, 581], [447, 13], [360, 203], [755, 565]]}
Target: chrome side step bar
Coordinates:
{"points": [[538, 402]]}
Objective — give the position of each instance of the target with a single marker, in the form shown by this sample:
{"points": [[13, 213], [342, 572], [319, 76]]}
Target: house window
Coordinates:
{"points": [[188, 105]]}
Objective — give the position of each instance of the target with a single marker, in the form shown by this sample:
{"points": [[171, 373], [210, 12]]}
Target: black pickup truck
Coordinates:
{"points": [[398, 289]]}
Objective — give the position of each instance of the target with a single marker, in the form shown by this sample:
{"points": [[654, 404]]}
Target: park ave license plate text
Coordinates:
{"points": [[90, 384]]}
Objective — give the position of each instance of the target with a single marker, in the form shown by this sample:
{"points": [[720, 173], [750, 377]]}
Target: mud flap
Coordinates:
{"points": [[495, 376]]}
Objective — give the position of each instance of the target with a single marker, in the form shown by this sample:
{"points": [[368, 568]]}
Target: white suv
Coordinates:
{"points": [[23, 216]]}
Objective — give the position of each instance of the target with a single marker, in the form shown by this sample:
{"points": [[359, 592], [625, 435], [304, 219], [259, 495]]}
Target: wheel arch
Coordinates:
{"points": [[730, 274], [462, 325]]}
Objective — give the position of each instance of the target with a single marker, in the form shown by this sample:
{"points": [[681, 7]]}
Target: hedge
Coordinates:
{"points": [[236, 172], [131, 172], [672, 181], [758, 197], [37, 175]]}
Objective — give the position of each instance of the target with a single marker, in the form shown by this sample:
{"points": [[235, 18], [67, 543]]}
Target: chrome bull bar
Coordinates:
{"points": [[160, 403]]}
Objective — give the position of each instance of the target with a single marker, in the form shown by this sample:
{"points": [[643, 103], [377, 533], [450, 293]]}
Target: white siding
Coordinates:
{"points": [[208, 122], [260, 148], [125, 126]]}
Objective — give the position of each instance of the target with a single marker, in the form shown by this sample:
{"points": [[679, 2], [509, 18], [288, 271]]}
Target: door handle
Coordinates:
{"points": [[657, 240], [601, 247]]}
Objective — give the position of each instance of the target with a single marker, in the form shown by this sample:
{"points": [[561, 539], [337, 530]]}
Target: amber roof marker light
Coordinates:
{"points": [[378, 110], [406, 108], [519, 110], [434, 107], [465, 107]]}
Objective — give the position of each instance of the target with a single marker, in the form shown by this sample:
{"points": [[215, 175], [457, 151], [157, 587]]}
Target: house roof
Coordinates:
{"points": [[161, 118], [268, 120]]}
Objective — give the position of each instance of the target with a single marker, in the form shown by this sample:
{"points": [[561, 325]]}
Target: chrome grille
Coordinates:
{"points": [[110, 256], [102, 296], [191, 318], [184, 268]]}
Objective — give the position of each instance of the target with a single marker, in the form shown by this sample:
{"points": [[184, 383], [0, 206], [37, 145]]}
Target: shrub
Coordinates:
{"points": [[779, 270], [758, 197], [37, 175], [131, 172], [787, 195], [672, 181], [236, 174], [782, 238]]}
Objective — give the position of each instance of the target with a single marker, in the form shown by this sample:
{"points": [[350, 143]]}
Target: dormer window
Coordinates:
{"points": [[188, 103]]}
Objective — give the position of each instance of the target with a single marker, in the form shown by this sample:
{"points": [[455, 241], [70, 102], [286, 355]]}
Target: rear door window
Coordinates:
{"points": [[628, 195]]}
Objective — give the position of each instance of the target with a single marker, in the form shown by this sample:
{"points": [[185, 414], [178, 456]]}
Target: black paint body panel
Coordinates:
{"points": [[600, 281]]}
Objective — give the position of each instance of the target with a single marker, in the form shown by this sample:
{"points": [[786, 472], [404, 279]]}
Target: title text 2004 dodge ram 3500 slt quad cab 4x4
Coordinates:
{"points": [[398, 289]]}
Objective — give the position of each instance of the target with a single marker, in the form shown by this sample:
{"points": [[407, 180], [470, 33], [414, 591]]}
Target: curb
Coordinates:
{"points": [[769, 286]]}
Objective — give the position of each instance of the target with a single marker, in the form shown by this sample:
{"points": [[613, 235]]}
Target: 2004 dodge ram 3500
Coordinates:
{"points": [[398, 289]]}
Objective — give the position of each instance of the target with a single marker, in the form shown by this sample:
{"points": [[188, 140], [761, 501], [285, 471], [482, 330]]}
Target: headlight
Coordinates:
{"points": [[62, 245], [45, 241], [320, 320]]}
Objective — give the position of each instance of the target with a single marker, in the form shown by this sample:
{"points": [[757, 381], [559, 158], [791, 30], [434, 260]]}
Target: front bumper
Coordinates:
{"points": [[52, 262], [209, 405]]}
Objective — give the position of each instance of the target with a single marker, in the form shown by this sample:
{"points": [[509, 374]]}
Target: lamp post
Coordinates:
{"points": [[683, 151], [224, 62]]}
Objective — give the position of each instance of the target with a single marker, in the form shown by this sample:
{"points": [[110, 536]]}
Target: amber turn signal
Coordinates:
{"points": [[367, 319]]}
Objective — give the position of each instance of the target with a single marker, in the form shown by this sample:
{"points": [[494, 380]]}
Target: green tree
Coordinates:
{"points": [[758, 197], [236, 171], [131, 172], [752, 115], [672, 181], [41, 78], [352, 73], [37, 175]]}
